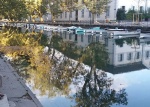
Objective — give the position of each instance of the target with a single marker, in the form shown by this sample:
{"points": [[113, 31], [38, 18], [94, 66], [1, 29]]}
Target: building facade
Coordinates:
{"points": [[84, 15]]}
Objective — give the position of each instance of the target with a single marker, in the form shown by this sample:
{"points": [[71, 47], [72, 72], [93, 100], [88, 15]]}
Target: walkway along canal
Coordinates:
{"points": [[14, 87]]}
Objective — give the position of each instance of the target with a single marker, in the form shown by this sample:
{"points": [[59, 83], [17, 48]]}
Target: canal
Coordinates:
{"points": [[115, 74]]}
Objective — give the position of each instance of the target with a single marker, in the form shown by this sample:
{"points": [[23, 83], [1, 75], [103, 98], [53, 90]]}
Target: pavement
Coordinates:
{"points": [[17, 94]]}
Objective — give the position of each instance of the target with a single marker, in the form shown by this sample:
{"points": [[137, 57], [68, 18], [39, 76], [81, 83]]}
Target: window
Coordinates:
{"points": [[137, 55], [82, 13], [108, 11], [97, 38], [76, 37], [61, 15], [65, 14], [98, 16], [89, 14], [70, 36], [129, 56], [89, 38], [81, 38], [120, 57], [147, 55], [70, 14], [65, 35], [106, 41]]}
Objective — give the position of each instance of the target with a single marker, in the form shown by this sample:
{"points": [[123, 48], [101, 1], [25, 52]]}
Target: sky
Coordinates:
{"points": [[131, 3]]}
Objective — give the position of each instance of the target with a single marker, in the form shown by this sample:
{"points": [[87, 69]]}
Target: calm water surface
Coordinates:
{"points": [[136, 84], [128, 88], [63, 82], [123, 86]]}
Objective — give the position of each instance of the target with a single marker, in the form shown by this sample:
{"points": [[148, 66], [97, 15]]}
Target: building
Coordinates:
{"points": [[84, 15]]}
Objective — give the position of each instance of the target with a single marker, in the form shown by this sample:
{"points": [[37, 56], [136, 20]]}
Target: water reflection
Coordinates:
{"points": [[85, 86], [96, 92], [65, 77]]}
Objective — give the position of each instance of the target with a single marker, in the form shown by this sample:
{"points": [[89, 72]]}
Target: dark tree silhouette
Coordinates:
{"points": [[96, 92]]}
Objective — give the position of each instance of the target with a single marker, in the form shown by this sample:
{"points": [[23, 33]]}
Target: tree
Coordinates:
{"points": [[96, 6], [129, 14], [70, 6], [54, 8], [120, 14], [13, 9], [36, 9]]}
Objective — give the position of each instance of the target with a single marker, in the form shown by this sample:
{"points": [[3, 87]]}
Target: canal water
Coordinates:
{"points": [[135, 83], [124, 82]]}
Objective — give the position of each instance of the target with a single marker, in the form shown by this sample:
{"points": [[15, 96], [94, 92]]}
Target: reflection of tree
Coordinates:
{"points": [[128, 41], [96, 92], [95, 55]]}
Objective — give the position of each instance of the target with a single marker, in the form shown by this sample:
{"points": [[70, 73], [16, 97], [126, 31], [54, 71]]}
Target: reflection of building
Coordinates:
{"points": [[124, 57], [145, 42], [125, 50], [83, 40], [123, 47]]}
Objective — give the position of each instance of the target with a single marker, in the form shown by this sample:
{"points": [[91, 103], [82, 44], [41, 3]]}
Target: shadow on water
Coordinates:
{"points": [[59, 72]]}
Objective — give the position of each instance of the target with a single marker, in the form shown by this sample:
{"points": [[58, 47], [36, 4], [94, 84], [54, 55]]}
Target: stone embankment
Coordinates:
{"points": [[17, 94]]}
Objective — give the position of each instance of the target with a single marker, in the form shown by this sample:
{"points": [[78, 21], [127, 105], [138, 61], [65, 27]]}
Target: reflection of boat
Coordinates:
{"points": [[116, 29], [122, 34], [75, 30], [30, 26], [71, 29], [62, 28], [40, 27], [79, 30], [95, 30]]}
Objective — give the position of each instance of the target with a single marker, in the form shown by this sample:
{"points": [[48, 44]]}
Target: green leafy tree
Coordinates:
{"points": [[120, 14], [129, 14], [54, 8], [96, 6], [13, 9], [70, 6], [36, 9]]}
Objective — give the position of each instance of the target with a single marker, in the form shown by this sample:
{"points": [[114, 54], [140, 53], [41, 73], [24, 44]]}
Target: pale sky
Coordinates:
{"points": [[131, 3]]}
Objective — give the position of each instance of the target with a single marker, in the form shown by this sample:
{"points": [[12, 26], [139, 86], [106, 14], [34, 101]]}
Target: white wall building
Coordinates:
{"points": [[85, 15]]}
